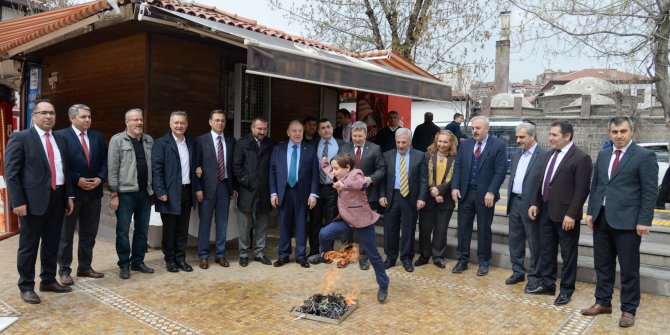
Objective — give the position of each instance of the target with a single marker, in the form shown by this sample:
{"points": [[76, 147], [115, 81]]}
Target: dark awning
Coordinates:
{"points": [[280, 58]]}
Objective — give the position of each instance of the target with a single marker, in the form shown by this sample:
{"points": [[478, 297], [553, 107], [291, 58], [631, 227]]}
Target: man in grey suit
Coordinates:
{"points": [[525, 170], [620, 212], [403, 196], [369, 160]]}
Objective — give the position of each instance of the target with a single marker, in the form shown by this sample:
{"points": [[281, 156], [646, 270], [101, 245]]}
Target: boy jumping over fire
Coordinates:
{"points": [[355, 213]]}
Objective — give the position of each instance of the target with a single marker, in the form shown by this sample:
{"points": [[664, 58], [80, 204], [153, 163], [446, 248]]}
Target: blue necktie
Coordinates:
{"points": [[294, 166]]}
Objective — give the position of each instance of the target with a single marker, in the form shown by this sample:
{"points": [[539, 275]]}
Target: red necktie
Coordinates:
{"points": [[358, 156], [83, 144], [221, 160], [52, 163], [478, 152], [616, 162]]}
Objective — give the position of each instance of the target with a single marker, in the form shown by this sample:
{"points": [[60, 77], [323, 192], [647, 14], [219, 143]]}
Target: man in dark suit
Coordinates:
{"points": [[620, 212], [424, 134], [479, 171], [251, 168], [386, 136], [403, 196], [558, 204], [294, 186], [526, 169], [87, 160], [172, 175], [455, 127], [343, 130], [36, 173], [325, 210], [214, 187], [368, 158]]}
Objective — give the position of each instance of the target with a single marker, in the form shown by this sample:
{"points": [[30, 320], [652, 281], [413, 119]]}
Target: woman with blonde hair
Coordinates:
{"points": [[434, 217]]}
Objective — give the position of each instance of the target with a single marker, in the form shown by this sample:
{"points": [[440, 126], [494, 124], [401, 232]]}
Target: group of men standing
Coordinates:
{"points": [[55, 174]]}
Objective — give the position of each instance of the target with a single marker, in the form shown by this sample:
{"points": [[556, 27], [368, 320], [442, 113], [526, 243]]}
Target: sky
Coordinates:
{"points": [[525, 63]]}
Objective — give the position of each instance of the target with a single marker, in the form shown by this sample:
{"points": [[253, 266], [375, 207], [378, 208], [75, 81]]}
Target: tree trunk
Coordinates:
{"points": [[660, 51]]}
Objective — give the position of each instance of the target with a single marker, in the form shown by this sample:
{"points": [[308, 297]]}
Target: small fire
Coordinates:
{"points": [[347, 253]]}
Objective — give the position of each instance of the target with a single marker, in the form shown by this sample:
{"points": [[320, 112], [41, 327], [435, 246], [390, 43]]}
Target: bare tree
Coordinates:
{"points": [[636, 31], [434, 34]]}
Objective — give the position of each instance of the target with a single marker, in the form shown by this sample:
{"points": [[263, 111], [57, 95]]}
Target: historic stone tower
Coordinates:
{"points": [[501, 79]]}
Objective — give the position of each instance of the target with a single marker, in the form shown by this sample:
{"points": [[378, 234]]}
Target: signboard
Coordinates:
{"points": [[34, 91]]}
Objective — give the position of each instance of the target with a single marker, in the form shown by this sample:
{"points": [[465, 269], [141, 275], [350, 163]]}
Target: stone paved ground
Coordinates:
{"points": [[257, 300]]}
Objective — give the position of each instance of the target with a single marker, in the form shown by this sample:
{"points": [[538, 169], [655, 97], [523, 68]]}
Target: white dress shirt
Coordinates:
{"points": [[184, 160], [58, 162], [521, 168]]}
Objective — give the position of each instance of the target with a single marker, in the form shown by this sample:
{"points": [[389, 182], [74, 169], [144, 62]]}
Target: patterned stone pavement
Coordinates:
{"points": [[257, 300]]}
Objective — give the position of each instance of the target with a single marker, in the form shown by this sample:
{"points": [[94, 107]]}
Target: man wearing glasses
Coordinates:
{"points": [[36, 175]]}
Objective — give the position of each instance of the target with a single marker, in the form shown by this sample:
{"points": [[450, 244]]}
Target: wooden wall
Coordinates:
{"points": [[292, 100], [109, 77]]}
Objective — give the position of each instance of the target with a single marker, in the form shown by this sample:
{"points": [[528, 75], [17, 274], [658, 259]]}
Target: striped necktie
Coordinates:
{"points": [[404, 182]]}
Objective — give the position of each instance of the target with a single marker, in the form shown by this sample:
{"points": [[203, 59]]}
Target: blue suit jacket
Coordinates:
{"points": [[166, 173], [491, 172], [79, 165], [206, 159], [308, 171]]}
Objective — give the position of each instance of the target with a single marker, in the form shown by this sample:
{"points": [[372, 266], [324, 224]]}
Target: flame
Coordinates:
{"points": [[329, 280], [352, 296], [347, 253]]}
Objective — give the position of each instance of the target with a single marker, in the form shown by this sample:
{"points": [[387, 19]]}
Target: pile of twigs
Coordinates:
{"points": [[331, 306]]}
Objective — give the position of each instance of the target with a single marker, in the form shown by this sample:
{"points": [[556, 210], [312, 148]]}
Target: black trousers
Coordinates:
{"points": [[321, 215], [551, 235], [608, 245], [175, 230], [86, 216], [433, 224], [47, 228], [468, 207], [399, 228]]}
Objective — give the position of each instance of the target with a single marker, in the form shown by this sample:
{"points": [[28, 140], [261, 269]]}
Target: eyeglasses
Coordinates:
{"points": [[44, 113]]}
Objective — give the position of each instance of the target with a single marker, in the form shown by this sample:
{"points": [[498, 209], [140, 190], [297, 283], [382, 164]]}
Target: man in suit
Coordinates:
{"points": [[524, 173], [425, 133], [172, 175], [343, 130], [251, 168], [618, 220], [386, 136], [368, 158], [326, 205], [557, 203], [87, 160], [294, 186], [455, 127], [214, 187], [129, 179], [403, 196], [36, 173], [479, 171]]}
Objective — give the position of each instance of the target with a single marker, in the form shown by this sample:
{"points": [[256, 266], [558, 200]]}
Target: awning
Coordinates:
{"points": [[25, 29], [279, 58], [393, 60]]}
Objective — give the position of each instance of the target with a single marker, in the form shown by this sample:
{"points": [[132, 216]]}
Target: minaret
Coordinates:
{"points": [[501, 80]]}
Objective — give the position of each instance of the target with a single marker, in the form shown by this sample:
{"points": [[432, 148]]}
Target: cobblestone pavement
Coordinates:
{"points": [[258, 299]]}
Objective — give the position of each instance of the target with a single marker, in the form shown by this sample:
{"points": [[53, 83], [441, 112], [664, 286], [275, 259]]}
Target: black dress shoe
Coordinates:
{"points": [[530, 286], [244, 261], [184, 266], [172, 267], [440, 264], [421, 261], [142, 268], [54, 287], [483, 270], [382, 294], [408, 266], [364, 262], [541, 289], [280, 262], [125, 272], [388, 264], [460, 267], [304, 263], [562, 299], [30, 297], [263, 260], [515, 278]]}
